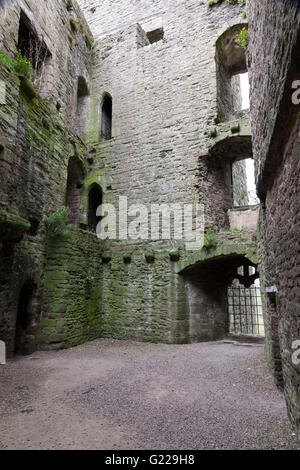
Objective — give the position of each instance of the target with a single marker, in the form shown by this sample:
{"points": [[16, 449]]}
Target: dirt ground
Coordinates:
{"points": [[111, 394]]}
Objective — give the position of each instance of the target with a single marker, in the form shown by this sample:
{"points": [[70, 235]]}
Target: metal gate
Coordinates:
{"points": [[245, 310]]}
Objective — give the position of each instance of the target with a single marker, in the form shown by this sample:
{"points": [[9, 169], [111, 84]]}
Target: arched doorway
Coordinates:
{"points": [[81, 110], [26, 324], [208, 286], [74, 189], [94, 201]]}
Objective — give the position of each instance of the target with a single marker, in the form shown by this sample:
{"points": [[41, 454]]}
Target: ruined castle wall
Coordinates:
{"points": [[274, 36], [274, 53], [37, 141], [164, 101], [163, 106], [65, 32]]}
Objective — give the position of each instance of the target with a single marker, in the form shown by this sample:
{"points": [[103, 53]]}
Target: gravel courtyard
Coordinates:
{"points": [[111, 394]]}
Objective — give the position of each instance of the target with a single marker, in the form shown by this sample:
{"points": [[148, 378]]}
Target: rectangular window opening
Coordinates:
{"points": [[145, 38], [1, 152], [155, 36], [245, 90]]}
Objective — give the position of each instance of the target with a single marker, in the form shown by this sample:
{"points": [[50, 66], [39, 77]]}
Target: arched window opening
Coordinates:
{"points": [[232, 76], [81, 110], [27, 321], [74, 190], [33, 48], [106, 119], [245, 303], [94, 200]]}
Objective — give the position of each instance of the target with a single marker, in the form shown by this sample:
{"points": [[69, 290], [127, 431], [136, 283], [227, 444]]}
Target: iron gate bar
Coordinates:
{"points": [[245, 310]]}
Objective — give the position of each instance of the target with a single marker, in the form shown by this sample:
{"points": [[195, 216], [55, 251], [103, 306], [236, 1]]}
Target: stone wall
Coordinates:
{"points": [[37, 140], [274, 58], [63, 28], [137, 292], [162, 114], [72, 288], [162, 109], [158, 65]]}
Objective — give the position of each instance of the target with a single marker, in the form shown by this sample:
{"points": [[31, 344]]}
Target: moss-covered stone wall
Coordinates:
{"points": [[163, 112], [37, 139]]}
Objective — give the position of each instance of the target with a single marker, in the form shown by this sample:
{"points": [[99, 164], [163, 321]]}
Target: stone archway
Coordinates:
{"points": [[207, 285]]}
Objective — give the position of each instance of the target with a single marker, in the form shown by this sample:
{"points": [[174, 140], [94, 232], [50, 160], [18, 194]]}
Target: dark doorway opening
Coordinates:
{"points": [[74, 190], [25, 338], [106, 119], [95, 200], [81, 110]]}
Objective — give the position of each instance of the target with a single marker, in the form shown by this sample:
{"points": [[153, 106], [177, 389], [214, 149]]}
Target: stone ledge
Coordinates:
{"points": [[242, 243], [12, 226]]}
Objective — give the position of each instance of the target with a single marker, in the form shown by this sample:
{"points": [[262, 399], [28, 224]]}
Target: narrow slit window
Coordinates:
{"points": [[74, 190], [95, 200], [106, 119]]}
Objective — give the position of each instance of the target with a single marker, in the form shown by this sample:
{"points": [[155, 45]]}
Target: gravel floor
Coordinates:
{"points": [[122, 395]]}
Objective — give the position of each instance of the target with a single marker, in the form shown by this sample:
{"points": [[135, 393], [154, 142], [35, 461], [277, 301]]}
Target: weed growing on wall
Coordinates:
{"points": [[243, 38], [241, 3], [210, 238], [21, 66], [57, 223]]}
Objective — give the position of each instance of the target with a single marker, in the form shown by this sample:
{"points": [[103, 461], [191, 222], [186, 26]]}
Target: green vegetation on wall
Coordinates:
{"points": [[21, 65], [56, 223], [241, 3]]}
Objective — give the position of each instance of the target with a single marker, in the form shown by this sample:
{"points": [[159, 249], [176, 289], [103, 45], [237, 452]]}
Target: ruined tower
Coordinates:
{"points": [[139, 100]]}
